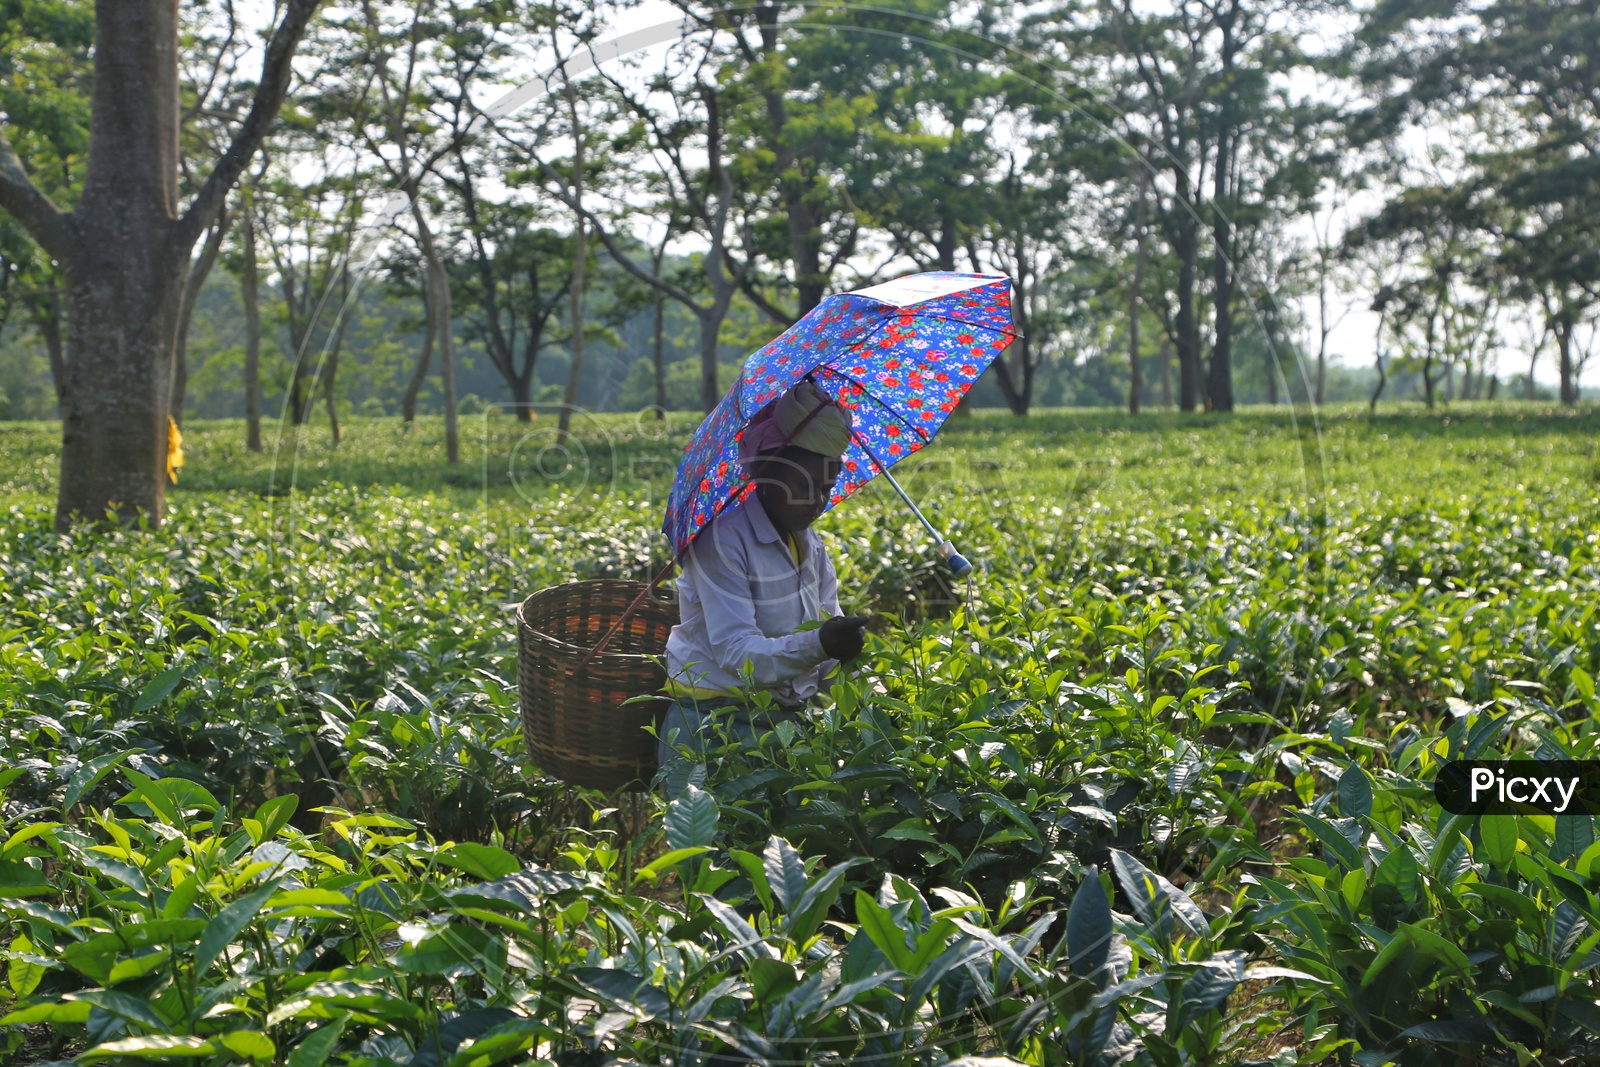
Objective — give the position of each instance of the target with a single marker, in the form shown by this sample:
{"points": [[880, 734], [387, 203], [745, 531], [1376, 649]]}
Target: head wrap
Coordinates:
{"points": [[804, 416]]}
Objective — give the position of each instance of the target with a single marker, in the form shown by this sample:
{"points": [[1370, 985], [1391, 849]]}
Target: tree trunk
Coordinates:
{"points": [[330, 370], [327, 395], [1321, 396], [123, 250], [1165, 358], [439, 303], [1219, 384], [46, 315], [575, 296], [198, 272], [447, 363], [1135, 376], [710, 336], [300, 398], [522, 397], [947, 240], [805, 247], [580, 256], [1016, 387], [114, 420], [250, 292], [1428, 382], [1533, 364], [1383, 379], [657, 356], [419, 374], [1188, 328], [1569, 385], [124, 275]]}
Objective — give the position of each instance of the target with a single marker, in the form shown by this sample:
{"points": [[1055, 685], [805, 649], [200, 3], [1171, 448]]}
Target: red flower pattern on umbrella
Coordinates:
{"points": [[876, 351]]}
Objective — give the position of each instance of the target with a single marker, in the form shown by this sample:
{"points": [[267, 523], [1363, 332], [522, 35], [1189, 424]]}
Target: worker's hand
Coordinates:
{"points": [[844, 635]]}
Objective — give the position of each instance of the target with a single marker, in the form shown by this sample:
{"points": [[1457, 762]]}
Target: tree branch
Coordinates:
{"points": [[270, 92], [601, 230], [25, 202], [752, 291]]}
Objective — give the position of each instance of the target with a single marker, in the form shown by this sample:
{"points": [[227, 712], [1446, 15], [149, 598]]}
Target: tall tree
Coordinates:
{"points": [[124, 247], [405, 90], [1196, 86], [310, 225], [250, 295], [1515, 81], [513, 278], [679, 123], [577, 180], [45, 88]]}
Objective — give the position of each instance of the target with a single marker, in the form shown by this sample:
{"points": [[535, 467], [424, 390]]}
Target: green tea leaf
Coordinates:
{"points": [[20, 879], [64, 1012], [1354, 887], [220, 932], [878, 924], [181, 898], [154, 1047], [663, 863], [1582, 682], [1574, 834], [23, 975], [134, 1009], [786, 873], [250, 1044], [1431, 944], [1355, 793], [1390, 952], [691, 819], [1089, 926], [138, 966], [481, 861], [754, 870], [1154, 897], [1499, 836], [158, 689], [317, 1046], [452, 945], [87, 776], [275, 814]]}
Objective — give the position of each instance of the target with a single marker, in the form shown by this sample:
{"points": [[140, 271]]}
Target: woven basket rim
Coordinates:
{"points": [[567, 649]]}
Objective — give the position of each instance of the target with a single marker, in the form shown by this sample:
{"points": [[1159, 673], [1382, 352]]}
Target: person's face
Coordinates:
{"points": [[795, 488]]}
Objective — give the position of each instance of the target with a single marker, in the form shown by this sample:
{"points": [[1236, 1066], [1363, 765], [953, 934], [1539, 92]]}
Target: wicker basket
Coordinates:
{"points": [[577, 726]]}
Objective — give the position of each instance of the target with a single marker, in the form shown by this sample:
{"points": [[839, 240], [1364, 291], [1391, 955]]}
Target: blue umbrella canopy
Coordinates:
{"points": [[900, 356]]}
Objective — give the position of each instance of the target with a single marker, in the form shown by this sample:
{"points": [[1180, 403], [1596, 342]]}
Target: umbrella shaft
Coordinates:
{"points": [[884, 470]]}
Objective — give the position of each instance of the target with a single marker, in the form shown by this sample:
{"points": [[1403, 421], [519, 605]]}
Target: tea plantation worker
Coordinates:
{"points": [[754, 576]]}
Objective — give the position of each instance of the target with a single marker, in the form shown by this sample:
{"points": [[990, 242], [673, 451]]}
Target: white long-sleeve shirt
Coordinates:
{"points": [[741, 597]]}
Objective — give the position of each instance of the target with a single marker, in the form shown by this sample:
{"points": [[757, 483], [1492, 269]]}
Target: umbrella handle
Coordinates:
{"points": [[958, 564]]}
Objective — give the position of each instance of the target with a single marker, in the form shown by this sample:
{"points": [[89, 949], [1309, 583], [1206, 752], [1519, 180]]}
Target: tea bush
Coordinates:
{"points": [[1155, 788]]}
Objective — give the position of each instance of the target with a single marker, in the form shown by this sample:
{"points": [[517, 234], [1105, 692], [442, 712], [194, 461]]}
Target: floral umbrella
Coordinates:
{"points": [[899, 355]]}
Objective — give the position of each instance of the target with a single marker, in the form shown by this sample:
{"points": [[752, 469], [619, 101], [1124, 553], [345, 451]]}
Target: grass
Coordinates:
{"points": [[1091, 453]]}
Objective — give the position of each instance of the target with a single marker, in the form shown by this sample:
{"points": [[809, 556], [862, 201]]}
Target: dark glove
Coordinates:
{"points": [[843, 636]]}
